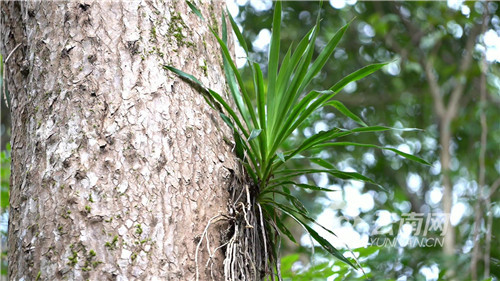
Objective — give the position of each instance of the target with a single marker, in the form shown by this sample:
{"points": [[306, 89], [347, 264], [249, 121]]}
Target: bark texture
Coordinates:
{"points": [[117, 165]]}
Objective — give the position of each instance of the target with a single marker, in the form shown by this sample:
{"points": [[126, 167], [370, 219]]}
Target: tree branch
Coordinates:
{"points": [[434, 88], [416, 33], [482, 151], [494, 188], [464, 66]]}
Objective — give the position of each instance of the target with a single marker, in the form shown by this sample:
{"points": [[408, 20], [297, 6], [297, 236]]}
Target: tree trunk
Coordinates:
{"points": [[445, 141], [117, 165]]}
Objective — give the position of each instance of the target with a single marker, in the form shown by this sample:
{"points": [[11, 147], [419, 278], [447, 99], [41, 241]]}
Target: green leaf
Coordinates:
{"points": [[291, 94], [288, 261], [369, 129], [228, 61], [322, 241], [325, 54], [240, 146], [322, 163], [274, 53], [184, 75], [4, 195], [301, 185], [324, 136], [229, 72], [285, 231], [261, 108], [403, 154], [315, 139], [286, 92], [195, 10], [255, 133], [327, 246], [251, 152], [214, 94], [281, 156], [321, 137], [302, 111], [294, 200], [292, 173], [289, 64], [251, 172], [313, 187], [344, 110], [291, 122], [367, 251], [237, 31], [286, 189], [283, 76], [233, 115], [261, 95], [356, 75]]}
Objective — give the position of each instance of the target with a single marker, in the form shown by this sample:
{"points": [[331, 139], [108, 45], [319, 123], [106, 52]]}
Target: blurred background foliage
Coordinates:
{"points": [[427, 43]]}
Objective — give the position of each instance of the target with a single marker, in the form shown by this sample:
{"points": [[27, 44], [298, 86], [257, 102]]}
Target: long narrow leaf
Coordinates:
{"points": [[274, 51], [323, 163], [292, 173], [184, 75], [356, 75], [287, 128], [327, 246], [324, 55], [219, 99], [403, 154], [261, 108], [289, 125], [295, 90], [294, 200], [227, 57], [254, 134], [322, 241], [240, 146], [195, 10], [315, 139], [290, 64], [229, 110], [285, 230], [237, 31], [332, 134], [240, 143], [284, 89], [301, 185], [344, 110], [365, 71], [231, 82]]}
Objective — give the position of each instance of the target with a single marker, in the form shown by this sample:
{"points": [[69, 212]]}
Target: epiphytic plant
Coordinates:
{"points": [[261, 126]]}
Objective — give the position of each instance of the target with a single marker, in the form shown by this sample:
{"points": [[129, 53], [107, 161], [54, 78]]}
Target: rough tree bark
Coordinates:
{"points": [[117, 165]]}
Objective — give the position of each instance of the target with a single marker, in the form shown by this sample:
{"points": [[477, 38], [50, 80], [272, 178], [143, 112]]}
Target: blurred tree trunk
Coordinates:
{"points": [[446, 111], [447, 201], [117, 165]]}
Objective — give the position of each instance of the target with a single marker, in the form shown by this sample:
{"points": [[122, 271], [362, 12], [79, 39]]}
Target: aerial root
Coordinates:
{"points": [[205, 235], [246, 255], [246, 250]]}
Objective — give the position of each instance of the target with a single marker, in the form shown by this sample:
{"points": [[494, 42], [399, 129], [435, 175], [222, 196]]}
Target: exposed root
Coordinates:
{"points": [[246, 248], [246, 255], [205, 235]]}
